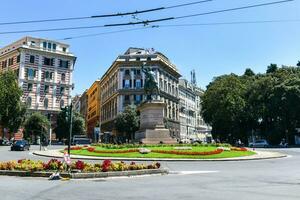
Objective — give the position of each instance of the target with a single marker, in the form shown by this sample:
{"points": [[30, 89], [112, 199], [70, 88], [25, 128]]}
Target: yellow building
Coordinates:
{"points": [[93, 107]]}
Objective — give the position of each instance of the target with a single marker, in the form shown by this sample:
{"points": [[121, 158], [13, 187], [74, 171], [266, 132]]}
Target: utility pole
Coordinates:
{"points": [[70, 128]]}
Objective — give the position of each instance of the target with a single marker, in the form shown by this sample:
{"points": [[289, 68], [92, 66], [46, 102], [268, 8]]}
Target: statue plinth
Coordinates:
{"points": [[152, 129]]}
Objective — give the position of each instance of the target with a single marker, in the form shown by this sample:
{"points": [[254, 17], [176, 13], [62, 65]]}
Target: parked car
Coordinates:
{"points": [[20, 145], [259, 143], [4, 141], [81, 141]]}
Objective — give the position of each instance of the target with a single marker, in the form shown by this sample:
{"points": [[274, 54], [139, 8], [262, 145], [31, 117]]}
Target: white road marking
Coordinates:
{"points": [[191, 172]]}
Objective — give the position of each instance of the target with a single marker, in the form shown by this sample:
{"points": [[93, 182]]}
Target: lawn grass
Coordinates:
{"points": [[224, 154]]}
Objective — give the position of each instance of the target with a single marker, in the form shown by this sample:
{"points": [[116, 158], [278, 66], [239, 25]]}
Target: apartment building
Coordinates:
{"points": [[192, 125], [44, 69], [93, 107], [123, 82]]}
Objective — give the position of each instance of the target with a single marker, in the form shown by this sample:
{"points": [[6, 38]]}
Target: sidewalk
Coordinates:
{"points": [[258, 156]]}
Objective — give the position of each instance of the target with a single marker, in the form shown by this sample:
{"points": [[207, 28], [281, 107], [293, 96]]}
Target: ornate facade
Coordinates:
{"points": [[44, 68], [122, 85]]}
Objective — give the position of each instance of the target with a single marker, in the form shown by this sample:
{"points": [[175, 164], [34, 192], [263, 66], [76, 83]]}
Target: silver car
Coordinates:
{"points": [[259, 143]]}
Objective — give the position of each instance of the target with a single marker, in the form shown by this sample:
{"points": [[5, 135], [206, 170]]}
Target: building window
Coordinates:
{"points": [[64, 49], [138, 72], [28, 102], [48, 61], [49, 45], [63, 63], [29, 87], [18, 58], [62, 90], [31, 59], [127, 98], [46, 103], [54, 46], [127, 72], [126, 83], [44, 45], [4, 63], [138, 83], [138, 98], [31, 73], [63, 77], [10, 61], [46, 89], [48, 75], [148, 59], [32, 43], [62, 103], [138, 59]]}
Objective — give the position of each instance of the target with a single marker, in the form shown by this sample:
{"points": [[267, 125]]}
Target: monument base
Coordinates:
{"points": [[152, 130], [156, 136]]}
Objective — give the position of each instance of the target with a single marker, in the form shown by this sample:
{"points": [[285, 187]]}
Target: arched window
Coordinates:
{"points": [[63, 77], [62, 103], [46, 103], [28, 102]]}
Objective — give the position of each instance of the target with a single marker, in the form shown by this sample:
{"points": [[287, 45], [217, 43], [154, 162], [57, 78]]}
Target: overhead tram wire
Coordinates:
{"points": [[147, 22], [108, 33], [119, 14], [185, 25], [76, 28]]}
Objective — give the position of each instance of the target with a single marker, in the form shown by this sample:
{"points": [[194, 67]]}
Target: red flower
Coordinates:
{"points": [[105, 165], [79, 165]]}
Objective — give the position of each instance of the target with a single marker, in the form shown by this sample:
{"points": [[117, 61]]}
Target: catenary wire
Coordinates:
{"points": [[147, 22], [119, 14], [186, 25]]}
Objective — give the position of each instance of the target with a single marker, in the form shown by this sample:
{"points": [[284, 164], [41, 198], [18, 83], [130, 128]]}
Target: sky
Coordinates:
{"points": [[211, 50]]}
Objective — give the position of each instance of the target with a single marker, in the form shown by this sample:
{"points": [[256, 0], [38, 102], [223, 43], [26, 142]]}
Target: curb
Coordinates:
{"points": [[87, 174], [244, 158]]}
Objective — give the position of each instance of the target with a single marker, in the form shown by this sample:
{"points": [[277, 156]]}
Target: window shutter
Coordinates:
{"points": [[34, 74], [51, 75], [123, 83], [52, 62]]}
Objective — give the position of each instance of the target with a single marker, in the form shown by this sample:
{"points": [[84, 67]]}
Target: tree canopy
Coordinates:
{"points": [[267, 103], [12, 110], [62, 128], [36, 124], [128, 122]]}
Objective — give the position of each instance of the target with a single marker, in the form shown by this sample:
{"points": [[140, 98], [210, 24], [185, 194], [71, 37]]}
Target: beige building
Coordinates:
{"points": [[122, 85], [44, 68]]}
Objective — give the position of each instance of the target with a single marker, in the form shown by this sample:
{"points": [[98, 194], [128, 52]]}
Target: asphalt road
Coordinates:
{"points": [[254, 180]]}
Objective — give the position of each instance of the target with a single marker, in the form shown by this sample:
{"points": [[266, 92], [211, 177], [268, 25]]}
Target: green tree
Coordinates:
{"points": [[36, 125], [249, 72], [128, 122], [223, 104], [62, 128], [272, 68], [12, 110]]}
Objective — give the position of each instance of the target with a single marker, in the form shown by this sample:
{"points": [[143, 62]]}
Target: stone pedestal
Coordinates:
{"points": [[152, 129]]}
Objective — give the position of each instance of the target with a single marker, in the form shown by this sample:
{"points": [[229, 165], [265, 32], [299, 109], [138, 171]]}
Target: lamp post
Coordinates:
{"points": [[68, 114], [70, 129]]}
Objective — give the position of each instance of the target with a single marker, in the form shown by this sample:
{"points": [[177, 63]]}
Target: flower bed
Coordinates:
{"points": [[176, 152], [81, 166], [193, 153], [238, 149]]}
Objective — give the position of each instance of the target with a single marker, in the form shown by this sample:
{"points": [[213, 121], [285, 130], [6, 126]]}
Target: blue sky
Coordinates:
{"points": [[210, 50]]}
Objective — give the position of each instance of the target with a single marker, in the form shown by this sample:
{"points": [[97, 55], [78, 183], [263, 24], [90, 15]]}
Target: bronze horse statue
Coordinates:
{"points": [[151, 86]]}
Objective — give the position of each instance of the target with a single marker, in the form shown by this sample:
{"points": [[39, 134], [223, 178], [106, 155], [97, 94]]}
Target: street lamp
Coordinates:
{"points": [[68, 112]]}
